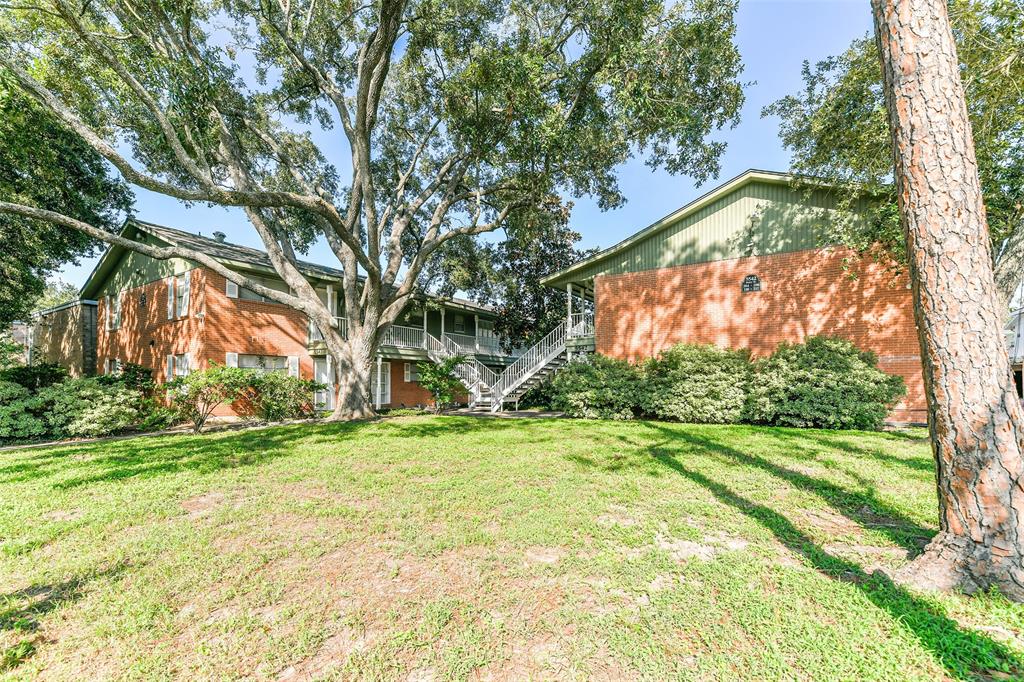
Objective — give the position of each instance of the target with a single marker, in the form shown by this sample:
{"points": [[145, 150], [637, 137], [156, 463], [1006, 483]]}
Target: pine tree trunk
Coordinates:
{"points": [[974, 415]]}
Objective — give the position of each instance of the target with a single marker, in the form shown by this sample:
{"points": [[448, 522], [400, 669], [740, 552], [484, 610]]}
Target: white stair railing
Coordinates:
{"points": [[473, 374], [539, 355]]}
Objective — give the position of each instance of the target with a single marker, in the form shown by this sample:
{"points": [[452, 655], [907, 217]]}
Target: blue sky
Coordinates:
{"points": [[774, 37]]}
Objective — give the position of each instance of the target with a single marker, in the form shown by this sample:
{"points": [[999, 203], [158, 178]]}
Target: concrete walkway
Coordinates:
{"points": [[510, 414]]}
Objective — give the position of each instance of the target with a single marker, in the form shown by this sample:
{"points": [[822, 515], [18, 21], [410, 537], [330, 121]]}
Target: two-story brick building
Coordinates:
{"points": [[744, 266], [174, 316]]}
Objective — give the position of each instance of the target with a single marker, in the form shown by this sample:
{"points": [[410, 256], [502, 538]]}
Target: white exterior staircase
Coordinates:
{"points": [[490, 391]]}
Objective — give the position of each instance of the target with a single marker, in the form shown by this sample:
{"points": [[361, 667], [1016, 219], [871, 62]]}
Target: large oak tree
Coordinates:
{"points": [[975, 417], [435, 120]]}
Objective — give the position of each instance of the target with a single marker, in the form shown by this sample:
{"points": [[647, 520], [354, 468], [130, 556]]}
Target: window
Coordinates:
{"points": [[181, 290], [114, 311], [411, 374], [460, 324], [232, 290], [178, 293], [112, 366], [177, 366], [264, 363]]}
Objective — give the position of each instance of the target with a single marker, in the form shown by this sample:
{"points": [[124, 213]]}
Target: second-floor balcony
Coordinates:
{"points": [[398, 336]]}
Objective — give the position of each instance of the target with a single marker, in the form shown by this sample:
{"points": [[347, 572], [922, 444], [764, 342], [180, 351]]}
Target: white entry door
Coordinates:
{"points": [[384, 384], [322, 374]]}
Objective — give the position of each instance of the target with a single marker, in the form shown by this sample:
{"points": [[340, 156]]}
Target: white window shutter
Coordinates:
{"points": [[107, 314], [231, 359], [186, 284], [170, 298], [186, 365], [293, 366], [170, 368], [232, 289]]}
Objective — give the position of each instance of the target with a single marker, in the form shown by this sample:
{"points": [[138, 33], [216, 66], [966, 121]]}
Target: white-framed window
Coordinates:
{"points": [[182, 287], [112, 366], [460, 324], [177, 366], [114, 310], [231, 290], [263, 363], [178, 295], [383, 385], [411, 373]]}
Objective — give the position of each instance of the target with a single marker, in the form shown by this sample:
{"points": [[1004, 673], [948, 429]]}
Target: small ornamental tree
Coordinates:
{"points": [[440, 380], [198, 394]]}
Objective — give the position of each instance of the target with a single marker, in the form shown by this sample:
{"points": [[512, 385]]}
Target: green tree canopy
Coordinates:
{"points": [[837, 128], [434, 121], [44, 164]]}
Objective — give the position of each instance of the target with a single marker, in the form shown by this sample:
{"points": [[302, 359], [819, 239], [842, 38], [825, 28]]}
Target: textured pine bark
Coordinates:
{"points": [[975, 417]]}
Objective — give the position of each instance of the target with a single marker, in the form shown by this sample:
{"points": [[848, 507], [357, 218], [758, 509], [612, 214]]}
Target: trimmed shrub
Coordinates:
{"points": [[275, 396], [34, 377], [18, 418], [700, 384], [197, 395], [88, 407], [596, 387], [824, 382]]}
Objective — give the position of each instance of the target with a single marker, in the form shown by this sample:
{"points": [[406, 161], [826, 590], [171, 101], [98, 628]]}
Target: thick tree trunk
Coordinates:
{"points": [[974, 415], [352, 360]]}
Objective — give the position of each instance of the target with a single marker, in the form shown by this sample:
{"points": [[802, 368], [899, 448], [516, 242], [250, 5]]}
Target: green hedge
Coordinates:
{"points": [[597, 387], [697, 384], [824, 382]]}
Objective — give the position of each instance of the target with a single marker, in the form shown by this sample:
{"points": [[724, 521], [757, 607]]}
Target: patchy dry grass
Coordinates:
{"points": [[456, 548]]}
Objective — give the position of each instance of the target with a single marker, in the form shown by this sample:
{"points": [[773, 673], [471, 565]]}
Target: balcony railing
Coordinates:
{"points": [[403, 337], [316, 335], [398, 336], [581, 325]]}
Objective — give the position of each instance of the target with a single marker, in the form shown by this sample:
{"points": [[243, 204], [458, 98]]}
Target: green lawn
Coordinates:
{"points": [[451, 548]]}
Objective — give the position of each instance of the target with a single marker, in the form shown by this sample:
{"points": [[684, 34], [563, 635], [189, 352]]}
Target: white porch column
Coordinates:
{"points": [[380, 381], [568, 305], [442, 324], [476, 332], [425, 325]]}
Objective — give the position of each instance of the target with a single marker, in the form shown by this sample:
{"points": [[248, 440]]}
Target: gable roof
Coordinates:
{"points": [[231, 255], [565, 275]]}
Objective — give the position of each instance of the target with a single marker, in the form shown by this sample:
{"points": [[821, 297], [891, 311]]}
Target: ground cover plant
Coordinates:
{"points": [[456, 548]]}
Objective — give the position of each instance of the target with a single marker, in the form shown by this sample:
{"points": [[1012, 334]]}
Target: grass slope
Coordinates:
{"points": [[451, 548]]}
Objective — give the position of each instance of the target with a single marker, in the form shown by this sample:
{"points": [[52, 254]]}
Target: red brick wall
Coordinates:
{"points": [[146, 337], [803, 293], [406, 393]]}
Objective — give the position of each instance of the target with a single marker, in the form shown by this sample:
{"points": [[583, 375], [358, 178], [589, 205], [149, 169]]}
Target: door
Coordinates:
{"points": [[322, 374]]}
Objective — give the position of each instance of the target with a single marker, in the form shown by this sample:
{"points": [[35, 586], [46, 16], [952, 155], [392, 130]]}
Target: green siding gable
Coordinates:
{"points": [[134, 269], [758, 217]]}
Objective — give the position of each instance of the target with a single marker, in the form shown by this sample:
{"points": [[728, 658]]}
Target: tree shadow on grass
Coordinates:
{"points": [[21, 610], [964, 654], [148, 457], [863, 506]]}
